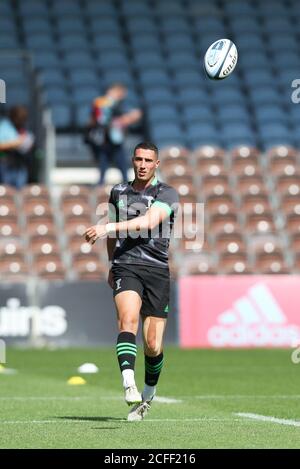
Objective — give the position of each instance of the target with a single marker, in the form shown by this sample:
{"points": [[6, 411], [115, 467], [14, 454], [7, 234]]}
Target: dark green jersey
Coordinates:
{"points": [[150, 248]]}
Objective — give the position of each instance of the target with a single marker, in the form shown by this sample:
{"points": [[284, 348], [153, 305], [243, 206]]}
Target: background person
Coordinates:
{"points": [[106, 131]]}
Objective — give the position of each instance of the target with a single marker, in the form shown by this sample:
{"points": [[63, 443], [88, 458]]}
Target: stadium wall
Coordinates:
{"points": [[65, 314]]}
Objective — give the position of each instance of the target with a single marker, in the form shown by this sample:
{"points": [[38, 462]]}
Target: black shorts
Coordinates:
{"points": [[151, 283]]}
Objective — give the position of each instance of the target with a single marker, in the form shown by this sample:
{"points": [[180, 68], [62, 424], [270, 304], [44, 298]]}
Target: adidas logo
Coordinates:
{"points": [[125, 363], [255, 320], [120, 203]]}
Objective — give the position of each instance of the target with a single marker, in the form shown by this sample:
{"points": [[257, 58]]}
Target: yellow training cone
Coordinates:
{"points": [[76, 380], [1, 368]]}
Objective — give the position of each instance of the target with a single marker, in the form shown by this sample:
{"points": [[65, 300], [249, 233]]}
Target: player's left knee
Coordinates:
{"points": [[153, 347]]}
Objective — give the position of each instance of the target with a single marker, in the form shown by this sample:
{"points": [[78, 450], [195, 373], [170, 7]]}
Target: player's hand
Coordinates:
{"points": [[95, 232], [110, 279]]}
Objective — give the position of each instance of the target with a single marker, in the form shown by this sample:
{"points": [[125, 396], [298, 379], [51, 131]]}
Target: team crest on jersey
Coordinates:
{"points": [[149, 199]]}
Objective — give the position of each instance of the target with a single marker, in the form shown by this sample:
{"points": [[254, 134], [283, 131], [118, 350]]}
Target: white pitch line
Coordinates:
{"points": [[167, 400], [201, 419], [159, 399], [41, 398], [243, 396], [264, 418]]}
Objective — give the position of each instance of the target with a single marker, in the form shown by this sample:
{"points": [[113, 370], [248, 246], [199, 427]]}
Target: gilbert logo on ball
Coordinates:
{"points": [[220, 59]]}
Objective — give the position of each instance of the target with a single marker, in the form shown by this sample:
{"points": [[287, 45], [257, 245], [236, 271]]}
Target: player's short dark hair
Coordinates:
{"points": [[146, 146], [116, 85]]}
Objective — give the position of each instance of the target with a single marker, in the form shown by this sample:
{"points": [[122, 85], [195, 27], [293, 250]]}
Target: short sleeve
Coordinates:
{"points": [[7, 131], [167, 199]]}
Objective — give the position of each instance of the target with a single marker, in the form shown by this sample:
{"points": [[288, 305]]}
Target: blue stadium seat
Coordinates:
{"points": [[6, 9], [9, 60], [254, 60], [249, 42], [227, 96], [74, 59], [239, 9], [41, 41], [168, 8], [8, 42], [37, 25], [182, 60], [112, 59], [201, 134], [269, 9], [144, 25], [233, 113], [118, 76], [285, 77], [234, 133], [284, 60], [274, 130], [56, 95], [133, 8], [7, 25], [284, 42], [61, 115], [86, 77], [210, 24], [192, 95], [178, 42], [277, 25], [14, 76], [254, 78], [235, 141], [86, 94], [52, 77], [265, 95], [32, 8], [99, 8], [158, 95], [107, 41], [244, 25], [104, 25], [141, 42], [152, 78], [46, 59], [73, 41], [187, 78], [18, 95], [149, 59], [192, 113], [163, 112], [70, 25], [174, 24], [270, 114], [82, 114], [66, 7], [167, 133]]}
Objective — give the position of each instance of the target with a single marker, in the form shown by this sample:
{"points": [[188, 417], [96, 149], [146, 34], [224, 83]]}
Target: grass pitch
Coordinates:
{"points": [[218, 399]]}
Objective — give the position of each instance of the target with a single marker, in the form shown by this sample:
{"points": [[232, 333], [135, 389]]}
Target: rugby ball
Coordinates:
{"points": [[220, 59]]}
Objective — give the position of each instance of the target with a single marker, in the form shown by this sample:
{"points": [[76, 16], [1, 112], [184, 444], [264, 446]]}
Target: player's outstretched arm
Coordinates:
{"points": [[150, 220]]}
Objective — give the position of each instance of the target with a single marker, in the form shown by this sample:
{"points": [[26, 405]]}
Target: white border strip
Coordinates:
{"points": [[264, 418]]}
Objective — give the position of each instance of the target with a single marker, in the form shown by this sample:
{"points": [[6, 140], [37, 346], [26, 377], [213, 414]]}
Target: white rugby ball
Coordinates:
{"points": [[220, 59]]}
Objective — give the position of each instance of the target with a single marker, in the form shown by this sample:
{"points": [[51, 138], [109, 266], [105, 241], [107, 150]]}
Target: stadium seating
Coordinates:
{"points": [[232, 145], [123, 36]]}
